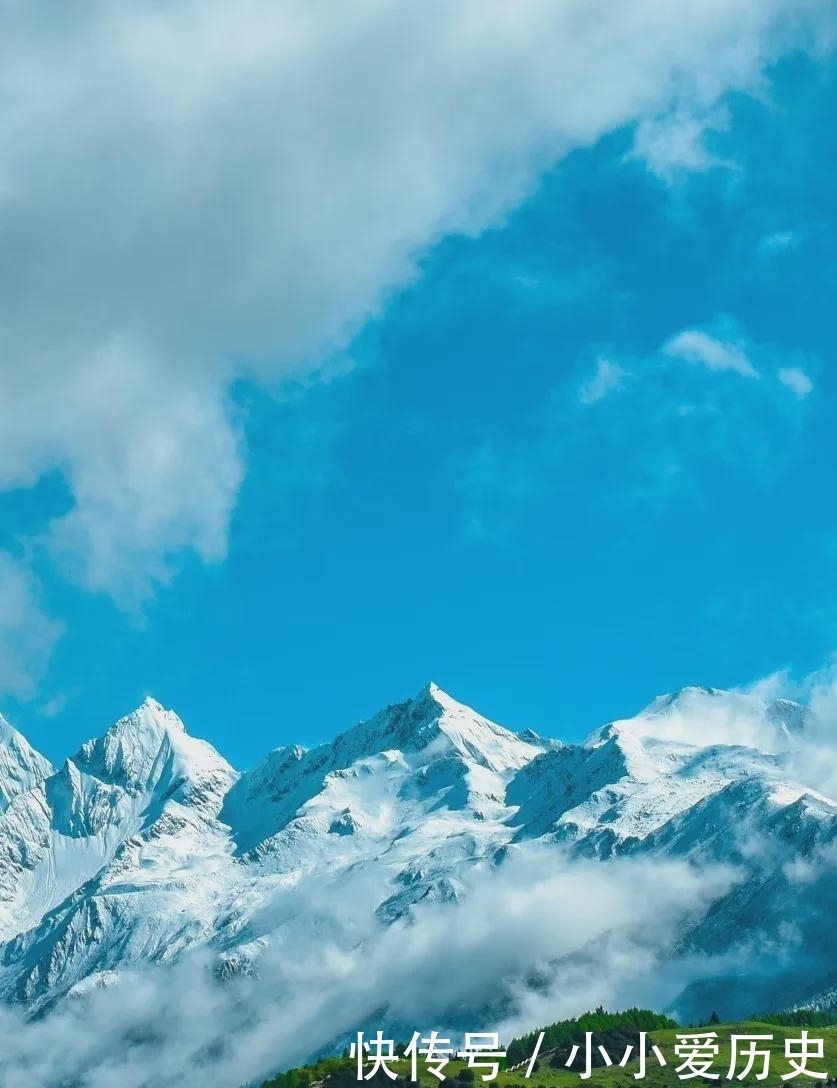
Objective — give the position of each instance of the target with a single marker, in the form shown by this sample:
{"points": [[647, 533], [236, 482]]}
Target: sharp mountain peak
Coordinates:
{"points": [[147, 843]]}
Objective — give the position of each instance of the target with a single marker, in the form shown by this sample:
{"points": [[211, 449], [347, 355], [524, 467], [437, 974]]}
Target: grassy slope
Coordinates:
{"points": [[656, 1077]]}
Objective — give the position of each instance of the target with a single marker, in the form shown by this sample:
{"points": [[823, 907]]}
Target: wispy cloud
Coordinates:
{"points": [[699, 346], [663, 425], [796, 380], [608, 377], [812, 751], [678, 142]]}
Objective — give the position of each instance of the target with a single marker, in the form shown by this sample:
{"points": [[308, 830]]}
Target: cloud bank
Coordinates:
{"points": [[193, 194], [540, 938]]}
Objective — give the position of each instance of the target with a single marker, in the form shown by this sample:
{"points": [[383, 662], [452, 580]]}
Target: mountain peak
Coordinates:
{"points": [[8, 733], [433, 697], [151, 713], [431, 738], [149, 743], [699, 717], [21, 766], [434, 722], [7, 730]]}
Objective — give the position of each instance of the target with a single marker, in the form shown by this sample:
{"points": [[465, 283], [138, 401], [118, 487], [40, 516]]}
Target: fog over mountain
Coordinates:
{"points": [[691, 849]]}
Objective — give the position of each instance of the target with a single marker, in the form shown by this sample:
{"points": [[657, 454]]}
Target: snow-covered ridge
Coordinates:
{"points": [[147, 843], [21, 767]]}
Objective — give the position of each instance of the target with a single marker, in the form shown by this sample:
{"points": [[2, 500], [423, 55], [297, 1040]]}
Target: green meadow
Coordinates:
{"points": [[550, 1070]]}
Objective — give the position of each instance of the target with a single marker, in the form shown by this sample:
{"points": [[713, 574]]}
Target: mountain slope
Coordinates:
{"points": [[133, 812], [147, 844], [21, 767]]}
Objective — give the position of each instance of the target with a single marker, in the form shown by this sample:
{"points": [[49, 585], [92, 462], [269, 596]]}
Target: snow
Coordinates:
{"points": [[21, 767], [147, 843]]}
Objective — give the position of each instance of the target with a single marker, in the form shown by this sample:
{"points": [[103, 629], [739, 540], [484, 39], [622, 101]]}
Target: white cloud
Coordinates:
{"points": [[27, 635], [677, 142], [588, 929], [812, 750], [607, 378], [796, 380], [195, 192], [54, 706], [697, 346]]}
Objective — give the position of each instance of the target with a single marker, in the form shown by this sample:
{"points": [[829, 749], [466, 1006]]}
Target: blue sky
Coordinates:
{"points": [[578, 453]]}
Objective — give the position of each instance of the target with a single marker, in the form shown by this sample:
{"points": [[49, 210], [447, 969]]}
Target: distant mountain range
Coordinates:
{"points": [[147, 843]]}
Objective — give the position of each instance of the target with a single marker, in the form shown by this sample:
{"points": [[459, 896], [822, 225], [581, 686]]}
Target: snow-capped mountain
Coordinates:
{"points": [[147, 843], [21, 767]]}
